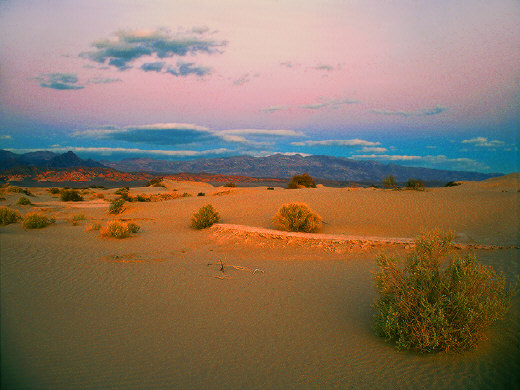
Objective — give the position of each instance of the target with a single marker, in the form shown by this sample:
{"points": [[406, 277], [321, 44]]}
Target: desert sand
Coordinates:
{"points": [[155, 311]]}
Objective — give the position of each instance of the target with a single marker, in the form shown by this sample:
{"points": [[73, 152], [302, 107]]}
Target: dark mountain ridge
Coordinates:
{"points": [[44, 159]]}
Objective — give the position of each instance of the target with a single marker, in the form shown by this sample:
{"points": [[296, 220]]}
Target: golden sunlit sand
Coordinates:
{"points": [[238, 305]]}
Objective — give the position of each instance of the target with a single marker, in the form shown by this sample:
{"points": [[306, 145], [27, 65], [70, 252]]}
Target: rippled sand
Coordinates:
{"points": [[155, 311]]}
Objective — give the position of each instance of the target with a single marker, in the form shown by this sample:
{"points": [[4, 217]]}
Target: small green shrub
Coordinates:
{"points": [[452, 184], [232, 185], [297, 217], [270, 188], [123, 192], [201, 194], [389, 182], [185, 195], [415, 184], [76, 219], [36, 221], [19, 190], [117, 206], [142, 198], [93, 226], [301, 181], [23, 201], [438, 301], [54, 190], [205, 217], [118, 229], [8, 215], [70, 195]]}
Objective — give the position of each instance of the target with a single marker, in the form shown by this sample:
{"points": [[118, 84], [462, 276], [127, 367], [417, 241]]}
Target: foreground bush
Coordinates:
{"points": [[205, 217], [389, 182], [118, 229], [297, 217], [77, 218], [36, 221], [54, 190], [415, 184], [117, 206], [23, 201], [8, 216], [438, 301], [70, 195], [301, 181]]}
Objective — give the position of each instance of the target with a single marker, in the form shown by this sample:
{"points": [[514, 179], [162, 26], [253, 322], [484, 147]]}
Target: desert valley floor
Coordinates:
{"points": [[155, 311]]}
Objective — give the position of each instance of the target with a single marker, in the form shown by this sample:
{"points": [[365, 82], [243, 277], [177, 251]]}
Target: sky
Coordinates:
{"points": [[420, 83]]}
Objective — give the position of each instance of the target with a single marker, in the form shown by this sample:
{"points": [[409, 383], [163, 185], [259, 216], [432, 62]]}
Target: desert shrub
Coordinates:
{"points": [[201, 194], [389, 182], [415, 184], [123, 192], [297, 217], [118, 229], [205, 217], [92, 226], [23, 201], [54, 190], [70, 195], [117, 206], [76, 219], [300, 181], [8, 215], [155, 182], [185, 195], [142, 198], [232, 185], [36, 221], [19, 190], [100, 195], [437, 301], [270, 188], [452, 184]]}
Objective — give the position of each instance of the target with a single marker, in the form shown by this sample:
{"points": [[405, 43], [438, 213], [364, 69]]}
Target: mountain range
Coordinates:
{"points": [[278, 166], [283, 166]]}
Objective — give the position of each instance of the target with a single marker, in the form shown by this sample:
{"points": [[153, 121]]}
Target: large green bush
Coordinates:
{"points": [[301, 181], [8, 215], [297, 217], [438, 301], [205, 217], [23, 201]]}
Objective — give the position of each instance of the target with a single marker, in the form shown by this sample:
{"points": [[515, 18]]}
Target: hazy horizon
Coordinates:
{"points": [[433, 85]]}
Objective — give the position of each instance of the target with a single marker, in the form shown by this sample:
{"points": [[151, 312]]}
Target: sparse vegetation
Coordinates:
{"points": [[270, 188], [23, 201], [155, 182], [118, 229], [92, 226], [205, 217], [70, 195], [142, 198], [123, 192], [8, 215], [201, 194], [415, 184], [117, 206], [297, 217], [230, 185], [77, 218], [19, 190], [36, 221], [390, 182], [54, 190], [301, 181], [452, 184], [438, 301]]}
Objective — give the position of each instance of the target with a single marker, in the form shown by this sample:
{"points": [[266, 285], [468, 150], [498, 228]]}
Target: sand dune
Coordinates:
{"points": [[156, 311]]}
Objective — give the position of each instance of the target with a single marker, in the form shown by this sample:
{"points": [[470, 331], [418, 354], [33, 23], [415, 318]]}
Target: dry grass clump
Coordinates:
{"points": [[301, 181], [390, 182], [156, 182], [438, 301], [119, 229], [70, 195], [36, 221], [205, 217], [18, 190], [92, 226], [77, 218], [54, 190], [8, 215], [297, 217], [415, 184], [23, 201], [117, 206]]}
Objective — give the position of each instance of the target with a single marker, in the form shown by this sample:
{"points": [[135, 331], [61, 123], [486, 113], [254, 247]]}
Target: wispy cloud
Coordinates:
{"points": [[290, 64], [133, 151], [454, 163], [278, 133], [5, 137], [422, 112], [59, 81], [484, 142], [124, 48], [102, 80], [273, 109], [326, 67], [373, 149], [337, 142], [244, 78], [331, 104]]}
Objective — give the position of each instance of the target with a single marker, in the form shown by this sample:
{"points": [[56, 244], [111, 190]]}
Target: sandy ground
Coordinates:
{"points": [[156, 312]]}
